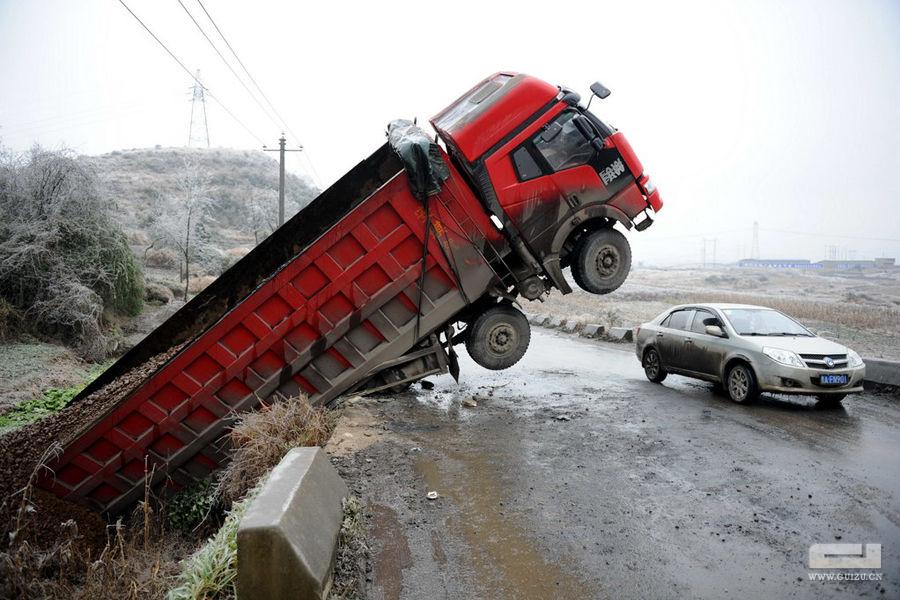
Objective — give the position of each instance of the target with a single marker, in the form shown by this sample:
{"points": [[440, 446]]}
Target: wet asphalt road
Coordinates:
{"points": [[575, 477]]}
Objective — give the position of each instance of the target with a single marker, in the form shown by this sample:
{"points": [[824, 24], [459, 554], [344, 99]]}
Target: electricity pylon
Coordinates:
{"points": [[198, 133]]}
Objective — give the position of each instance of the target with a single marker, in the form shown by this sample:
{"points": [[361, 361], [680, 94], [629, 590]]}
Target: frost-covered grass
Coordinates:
{"points": [[210, 573]]}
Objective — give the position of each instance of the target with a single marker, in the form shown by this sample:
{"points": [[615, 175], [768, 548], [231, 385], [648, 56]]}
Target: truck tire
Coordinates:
{"points": [[601, 261], [498, 338]]}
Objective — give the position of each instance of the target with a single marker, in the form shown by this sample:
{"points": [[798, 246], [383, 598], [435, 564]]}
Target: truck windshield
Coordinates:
{"points": [[764, 322], [565, 147]]}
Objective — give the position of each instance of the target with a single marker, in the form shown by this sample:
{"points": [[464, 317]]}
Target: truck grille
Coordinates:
{"points": [[817, 361]]}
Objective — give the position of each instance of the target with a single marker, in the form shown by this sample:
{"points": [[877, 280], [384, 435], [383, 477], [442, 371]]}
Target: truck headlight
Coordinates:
{"points": [[853, 359], [785, 357]]}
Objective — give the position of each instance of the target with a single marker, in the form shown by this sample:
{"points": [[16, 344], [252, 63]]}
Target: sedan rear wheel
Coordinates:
{"points": [[741, 384], [653, 368]]}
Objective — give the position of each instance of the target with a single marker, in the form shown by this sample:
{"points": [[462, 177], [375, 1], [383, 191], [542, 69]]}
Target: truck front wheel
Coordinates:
{"points": [[498, 338], [601, 261]]}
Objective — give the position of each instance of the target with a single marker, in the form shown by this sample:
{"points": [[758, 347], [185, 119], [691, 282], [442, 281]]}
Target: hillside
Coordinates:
{"points": [[136, 179]]}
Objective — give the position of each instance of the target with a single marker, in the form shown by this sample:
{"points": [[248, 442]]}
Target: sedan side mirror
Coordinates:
{"points": [[715, 330]]}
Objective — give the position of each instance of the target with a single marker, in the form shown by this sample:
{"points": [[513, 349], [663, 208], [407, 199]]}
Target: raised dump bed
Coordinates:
{"points": [[340, 311]]}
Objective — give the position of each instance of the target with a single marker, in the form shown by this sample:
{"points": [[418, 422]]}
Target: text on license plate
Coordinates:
{"points": [[832, 379]]}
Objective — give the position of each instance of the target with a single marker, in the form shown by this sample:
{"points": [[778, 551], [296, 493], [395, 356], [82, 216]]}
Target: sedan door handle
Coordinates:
{"points": [[688, 341], [659, 334]]}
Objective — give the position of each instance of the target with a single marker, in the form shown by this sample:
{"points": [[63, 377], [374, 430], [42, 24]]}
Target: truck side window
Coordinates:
{"points": [[526, 167], [566, 146]]}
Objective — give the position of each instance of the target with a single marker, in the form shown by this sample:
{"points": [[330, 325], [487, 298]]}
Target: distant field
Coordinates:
{"points": [[861, 310]]}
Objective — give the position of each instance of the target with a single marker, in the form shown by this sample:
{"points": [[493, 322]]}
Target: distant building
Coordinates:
{"points": [[796, 263], [845, 265], [777, 263]]}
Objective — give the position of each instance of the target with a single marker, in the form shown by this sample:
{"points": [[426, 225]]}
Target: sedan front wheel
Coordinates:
{"points": [[741, 384]]}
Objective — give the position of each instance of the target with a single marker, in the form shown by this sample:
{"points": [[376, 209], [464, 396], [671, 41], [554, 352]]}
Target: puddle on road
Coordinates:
{"points": [[395, 556], [506, 561]]}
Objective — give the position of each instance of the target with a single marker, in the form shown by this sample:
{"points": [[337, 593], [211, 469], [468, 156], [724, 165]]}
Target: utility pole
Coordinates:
{"points": [[754, 249], [281, 150]]}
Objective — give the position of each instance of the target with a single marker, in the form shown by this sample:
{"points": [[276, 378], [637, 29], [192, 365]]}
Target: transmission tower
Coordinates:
{"points": [[754, 249], [198, 132]]}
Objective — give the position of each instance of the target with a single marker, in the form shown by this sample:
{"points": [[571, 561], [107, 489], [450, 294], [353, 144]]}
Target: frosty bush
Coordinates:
{"points": [[63, 261]]}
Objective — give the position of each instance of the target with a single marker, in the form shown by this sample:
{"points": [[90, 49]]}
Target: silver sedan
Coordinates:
{"points": [[747, 349]]}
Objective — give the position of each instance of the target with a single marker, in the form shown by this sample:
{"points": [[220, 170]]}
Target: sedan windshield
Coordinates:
{"points": [[764, 321]]}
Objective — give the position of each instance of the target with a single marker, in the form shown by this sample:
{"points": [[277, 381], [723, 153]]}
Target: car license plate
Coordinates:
{"points": [[832, 379]]}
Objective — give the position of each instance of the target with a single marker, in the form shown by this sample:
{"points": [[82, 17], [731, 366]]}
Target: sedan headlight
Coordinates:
{"points": [[785, 357], [853, 359]]}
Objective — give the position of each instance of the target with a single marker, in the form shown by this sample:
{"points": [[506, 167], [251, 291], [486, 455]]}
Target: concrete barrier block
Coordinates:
{"points": [[882, 372], [571, 325], [287, 540], [592, 330], [538, 319], [621, 334], [555, 322]]}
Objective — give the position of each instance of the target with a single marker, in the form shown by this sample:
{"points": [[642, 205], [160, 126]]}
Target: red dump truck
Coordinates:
{"points": [[415, 250]]}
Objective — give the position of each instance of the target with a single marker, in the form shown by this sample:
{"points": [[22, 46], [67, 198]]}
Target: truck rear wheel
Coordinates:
{"points": [[498, 338], [602, 261]]}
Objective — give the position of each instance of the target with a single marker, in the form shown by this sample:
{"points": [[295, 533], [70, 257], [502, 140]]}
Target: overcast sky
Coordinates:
{"points": [[785, 113]]}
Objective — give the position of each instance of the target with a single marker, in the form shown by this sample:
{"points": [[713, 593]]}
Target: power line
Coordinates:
{"points": [[191, 75], [244, 67], [314, 173], [230, 68]]}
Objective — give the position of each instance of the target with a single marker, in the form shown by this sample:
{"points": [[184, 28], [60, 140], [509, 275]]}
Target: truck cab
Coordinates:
{"points": [[553, 176]]}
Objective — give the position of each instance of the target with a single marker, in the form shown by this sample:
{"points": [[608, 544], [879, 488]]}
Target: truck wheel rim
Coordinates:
{"points": [[607, 261], [652, 364], [502, 338], [738, 384]]}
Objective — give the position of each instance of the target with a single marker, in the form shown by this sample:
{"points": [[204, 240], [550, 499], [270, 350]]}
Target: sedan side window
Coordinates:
{"points": [[703, 318], [563, 145], [680, 319]]}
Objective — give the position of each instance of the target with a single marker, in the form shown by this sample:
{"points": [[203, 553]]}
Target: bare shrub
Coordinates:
{"points": [[198, 284], [11, 321], [161, 258], [262, 438], [63, 260]]}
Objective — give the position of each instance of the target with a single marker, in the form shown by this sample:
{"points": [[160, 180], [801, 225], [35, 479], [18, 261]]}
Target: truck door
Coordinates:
{"points": [[545, 173]]}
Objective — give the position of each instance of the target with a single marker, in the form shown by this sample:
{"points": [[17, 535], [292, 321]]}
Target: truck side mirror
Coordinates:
{"points": [[583, 124], [600, 90]]}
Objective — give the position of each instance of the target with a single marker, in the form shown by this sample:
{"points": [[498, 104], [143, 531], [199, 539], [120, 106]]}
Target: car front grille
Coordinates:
{"points": [[817, 361]]}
